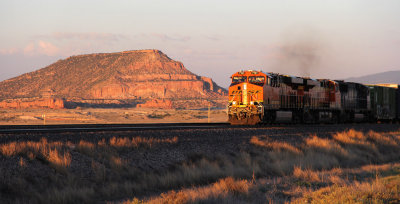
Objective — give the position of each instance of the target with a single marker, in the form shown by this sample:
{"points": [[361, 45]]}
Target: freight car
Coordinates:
{"points": [[258, 97], [383, 102]]}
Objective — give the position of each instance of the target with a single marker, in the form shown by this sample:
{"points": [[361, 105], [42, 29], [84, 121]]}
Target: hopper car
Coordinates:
{"points": [[257, 97]]}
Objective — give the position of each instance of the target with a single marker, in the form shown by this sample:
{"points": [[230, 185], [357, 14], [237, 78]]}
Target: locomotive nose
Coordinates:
{"points": [[244, 94]]}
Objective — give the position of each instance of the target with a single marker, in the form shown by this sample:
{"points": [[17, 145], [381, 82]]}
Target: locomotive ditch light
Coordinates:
{"points": [[234, 102], [251, 102]]}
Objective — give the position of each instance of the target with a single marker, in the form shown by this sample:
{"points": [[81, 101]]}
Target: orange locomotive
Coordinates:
{"points": [[257, 97]]}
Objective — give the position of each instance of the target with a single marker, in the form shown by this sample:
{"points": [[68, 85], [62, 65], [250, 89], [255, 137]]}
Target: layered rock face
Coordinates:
{"points": [[130, 75], [157, 103], [52, 103]]}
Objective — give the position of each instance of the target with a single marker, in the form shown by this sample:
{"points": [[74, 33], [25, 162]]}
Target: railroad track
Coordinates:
{"points": [[10, 129], [106, 127]]}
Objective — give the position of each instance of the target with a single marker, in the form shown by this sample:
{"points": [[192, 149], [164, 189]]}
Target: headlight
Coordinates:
{"points": [[251, 102], [234, 102]]}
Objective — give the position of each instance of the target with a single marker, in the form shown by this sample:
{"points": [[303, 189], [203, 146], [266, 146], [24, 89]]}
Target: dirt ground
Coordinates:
{"points": [[111, 115]]}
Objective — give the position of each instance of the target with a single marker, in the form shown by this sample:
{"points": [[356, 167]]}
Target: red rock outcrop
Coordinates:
{"points": [[157, 103], [52, 103], [129, 75]]}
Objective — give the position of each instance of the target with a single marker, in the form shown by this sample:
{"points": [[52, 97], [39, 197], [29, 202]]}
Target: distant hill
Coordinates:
{"points": [[129, 75], [384, 77]]}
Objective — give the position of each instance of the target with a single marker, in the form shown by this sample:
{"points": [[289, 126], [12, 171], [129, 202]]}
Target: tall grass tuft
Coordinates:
{"points": [[137, 141], [54, 152], [224, 190]]}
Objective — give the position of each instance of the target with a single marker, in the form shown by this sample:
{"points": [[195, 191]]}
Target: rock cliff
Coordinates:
{"points": [[130, 75], [52, 103], [157, 103]]}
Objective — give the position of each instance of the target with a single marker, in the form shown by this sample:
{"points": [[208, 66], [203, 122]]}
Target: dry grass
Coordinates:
{"points": [[54, 152], [304, 186], [343, 149], [389, 139], [382, 190], [107, 168], [86, 147], [137, 141], [266, 168], [303, 167], [325, 145], [22, 162], [117, 162], [274, 145], [223, 190], [307, 174], [368, 184], [59, 159]]}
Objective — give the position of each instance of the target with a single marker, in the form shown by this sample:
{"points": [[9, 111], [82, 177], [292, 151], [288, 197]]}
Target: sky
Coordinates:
{"points": [[333, 39]]}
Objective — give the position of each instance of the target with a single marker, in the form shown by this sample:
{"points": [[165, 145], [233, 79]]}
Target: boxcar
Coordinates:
{"points": [[355, 102], [383, 102]]}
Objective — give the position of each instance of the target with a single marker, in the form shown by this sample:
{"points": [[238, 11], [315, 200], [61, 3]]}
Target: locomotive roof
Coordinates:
{"points": [[272, 74], [311, 80], [385, 85]]}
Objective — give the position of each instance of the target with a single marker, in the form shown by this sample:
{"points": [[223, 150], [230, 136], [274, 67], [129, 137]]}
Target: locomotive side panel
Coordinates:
{"points": [[256, 97]]}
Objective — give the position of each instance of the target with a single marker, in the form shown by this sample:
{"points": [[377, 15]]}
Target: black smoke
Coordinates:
{"points": [[299, 52]]}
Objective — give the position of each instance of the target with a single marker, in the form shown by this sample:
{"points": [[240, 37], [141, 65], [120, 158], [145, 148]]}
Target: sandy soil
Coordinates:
{"points": [[97, 115]]}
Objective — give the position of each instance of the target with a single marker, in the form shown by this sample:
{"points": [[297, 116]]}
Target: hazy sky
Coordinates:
{"points": [[317, 38]]}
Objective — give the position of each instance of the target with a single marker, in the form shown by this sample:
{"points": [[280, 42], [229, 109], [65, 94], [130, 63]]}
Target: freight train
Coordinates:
{"points": [[256, 97]]}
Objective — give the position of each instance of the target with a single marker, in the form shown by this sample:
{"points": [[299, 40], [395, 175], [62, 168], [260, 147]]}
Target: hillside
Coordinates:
{"points": [[130, 75], [384, 77]]}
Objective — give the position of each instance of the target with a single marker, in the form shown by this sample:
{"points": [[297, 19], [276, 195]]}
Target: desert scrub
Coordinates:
{"points": [[241, 165], [157, 115], [222, 191], [139, 141], [54, 152], [303, 186], [381, 190]]}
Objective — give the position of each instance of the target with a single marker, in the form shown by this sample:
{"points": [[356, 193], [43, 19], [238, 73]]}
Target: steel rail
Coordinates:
{"points": [[106, 127]]}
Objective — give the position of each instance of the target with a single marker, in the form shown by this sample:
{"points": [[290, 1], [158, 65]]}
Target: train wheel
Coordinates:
{"points": [[233, 120], [253, 120]]}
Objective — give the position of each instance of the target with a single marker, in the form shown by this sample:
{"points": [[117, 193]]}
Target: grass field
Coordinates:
{"points": [[348, 166], [309, 173]]}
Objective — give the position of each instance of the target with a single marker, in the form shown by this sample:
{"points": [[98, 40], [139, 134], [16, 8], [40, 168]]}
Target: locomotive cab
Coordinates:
{"points": [[246, 97]]}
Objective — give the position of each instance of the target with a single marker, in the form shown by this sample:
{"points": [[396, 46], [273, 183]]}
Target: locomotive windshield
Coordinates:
{"points": [[239, 79], [257, 79]]}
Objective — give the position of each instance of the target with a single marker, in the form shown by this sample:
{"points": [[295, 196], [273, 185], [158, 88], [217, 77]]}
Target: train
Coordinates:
{"points": [[256, 97]]}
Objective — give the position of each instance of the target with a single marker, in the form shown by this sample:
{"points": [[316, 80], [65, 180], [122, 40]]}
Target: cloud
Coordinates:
{"points": [[41, 48], [8, 51], [34, 48], [210, 54], [47, 48], [29, 49], [213, 37], [66, 44], [165, 37], [93, 36]]}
